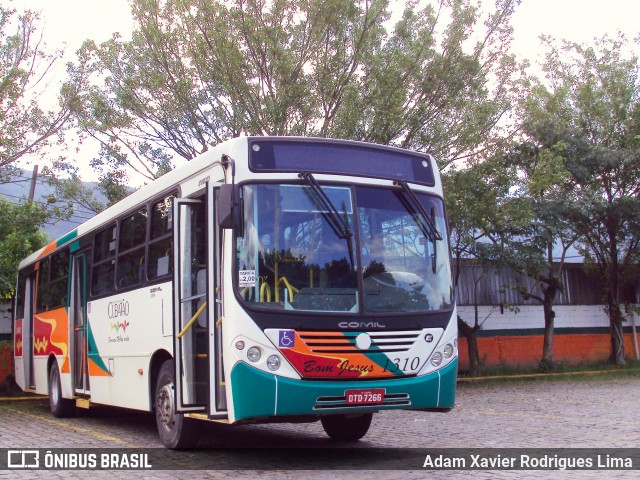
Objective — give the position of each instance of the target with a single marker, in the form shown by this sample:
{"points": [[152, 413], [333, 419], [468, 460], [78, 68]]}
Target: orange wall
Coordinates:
{"points": [[527, 350]]}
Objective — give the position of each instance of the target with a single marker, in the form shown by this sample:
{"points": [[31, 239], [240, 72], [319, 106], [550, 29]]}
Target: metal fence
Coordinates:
{"points": [[478, 285]]}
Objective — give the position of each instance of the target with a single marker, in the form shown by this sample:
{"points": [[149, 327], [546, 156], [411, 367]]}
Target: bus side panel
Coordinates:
{"points": [[51, 337], [18, 361], [124, 331]]}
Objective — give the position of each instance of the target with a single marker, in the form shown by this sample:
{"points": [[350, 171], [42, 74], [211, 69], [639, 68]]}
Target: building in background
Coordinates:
{"points": [[513, 327]]}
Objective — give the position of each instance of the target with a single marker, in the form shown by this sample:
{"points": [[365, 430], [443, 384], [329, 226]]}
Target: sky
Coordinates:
{"points": [[575, 20], [72, 21], [67, 23]]}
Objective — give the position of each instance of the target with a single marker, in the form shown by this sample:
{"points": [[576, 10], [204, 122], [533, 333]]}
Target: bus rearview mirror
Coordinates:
{"points": [[229, 206]]}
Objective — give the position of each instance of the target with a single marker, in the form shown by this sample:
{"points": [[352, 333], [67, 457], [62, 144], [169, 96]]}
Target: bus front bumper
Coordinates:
{"points": [[257, 394]]}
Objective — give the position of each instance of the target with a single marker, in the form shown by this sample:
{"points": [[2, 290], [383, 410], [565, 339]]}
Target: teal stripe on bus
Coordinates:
{"points": [[67, 238]]}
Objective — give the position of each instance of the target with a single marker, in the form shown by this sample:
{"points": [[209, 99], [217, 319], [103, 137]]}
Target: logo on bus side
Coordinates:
{"points": [[118, 328], [118, 309]]}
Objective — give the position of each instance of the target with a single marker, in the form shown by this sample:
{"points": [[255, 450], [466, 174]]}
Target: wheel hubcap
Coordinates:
{"points": [[165, 408], [55, 394]]}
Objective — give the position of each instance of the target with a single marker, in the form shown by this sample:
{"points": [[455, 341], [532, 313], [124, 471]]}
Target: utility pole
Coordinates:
{"points": [[34, 177]]}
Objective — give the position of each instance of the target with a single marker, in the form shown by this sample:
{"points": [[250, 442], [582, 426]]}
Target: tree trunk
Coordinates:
{"points": [[617, 334], [613, 303], [472, 346], [549, 316]]}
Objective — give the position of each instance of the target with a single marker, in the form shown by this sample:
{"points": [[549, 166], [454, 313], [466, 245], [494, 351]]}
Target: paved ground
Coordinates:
{"points": [[592, 413]]}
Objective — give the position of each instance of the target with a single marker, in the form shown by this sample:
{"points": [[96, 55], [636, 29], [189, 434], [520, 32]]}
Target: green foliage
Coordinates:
{"points": [[587, 114], [478, 200], [542, 191], [70, 191], [198, 72], [20, 236]]}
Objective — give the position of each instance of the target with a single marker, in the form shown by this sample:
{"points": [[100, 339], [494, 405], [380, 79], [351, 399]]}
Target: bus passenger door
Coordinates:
{"points": [[191, 309], [27, 331], [78, 316], [218, 393]]}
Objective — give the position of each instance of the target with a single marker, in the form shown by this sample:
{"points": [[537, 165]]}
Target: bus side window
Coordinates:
{"points": [[130, 268], [201, 287], [160, 248], [20, 296], [102, 280], [160, 258], [42, 293], [103, 270], [58, 282]]}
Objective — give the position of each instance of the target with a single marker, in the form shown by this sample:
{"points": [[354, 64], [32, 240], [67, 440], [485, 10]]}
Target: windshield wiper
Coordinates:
{"points": [[326, 206], [425, 222], [338, 224], [423, 219]]}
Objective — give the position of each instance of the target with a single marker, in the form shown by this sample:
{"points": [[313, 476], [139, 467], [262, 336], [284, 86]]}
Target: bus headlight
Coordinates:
{"points": [[254, 354], [273, 363], [448, 350], [436, 359]]}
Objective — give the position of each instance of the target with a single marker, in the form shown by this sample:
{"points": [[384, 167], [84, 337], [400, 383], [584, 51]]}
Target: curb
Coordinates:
{"points": [[533, 376], [20, 399]]}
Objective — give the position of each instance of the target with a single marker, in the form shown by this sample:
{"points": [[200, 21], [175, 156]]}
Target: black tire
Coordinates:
{"points": [[347, 428], [175, 430], [60, 407]]}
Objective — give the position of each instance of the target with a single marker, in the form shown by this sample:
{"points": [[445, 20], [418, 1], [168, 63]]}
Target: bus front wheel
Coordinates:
{"points": [[347, 428], [60, 407], [174, 429]]}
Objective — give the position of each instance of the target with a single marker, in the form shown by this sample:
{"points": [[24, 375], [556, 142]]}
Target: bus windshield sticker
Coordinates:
{"points": [[247, 278], [163, 266], [286, 339]]}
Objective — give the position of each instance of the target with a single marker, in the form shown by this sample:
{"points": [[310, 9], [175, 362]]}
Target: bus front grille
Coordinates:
{"points": [[345, 342]]}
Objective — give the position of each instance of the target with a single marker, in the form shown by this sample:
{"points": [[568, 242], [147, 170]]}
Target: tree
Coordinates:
{"points": [[25, 127], [509, 211], [197, 72], [590, 100], [71, 192], [528, 246], [20, 236], [476, 199]]}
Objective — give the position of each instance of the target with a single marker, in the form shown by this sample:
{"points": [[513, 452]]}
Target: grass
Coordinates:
{"points": [[558, 371]]}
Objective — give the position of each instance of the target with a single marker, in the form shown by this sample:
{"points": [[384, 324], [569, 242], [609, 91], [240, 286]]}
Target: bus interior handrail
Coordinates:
{"points": [[193, 320]]}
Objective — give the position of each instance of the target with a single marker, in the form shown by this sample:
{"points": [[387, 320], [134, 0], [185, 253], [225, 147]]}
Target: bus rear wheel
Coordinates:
{"points": [[347, 428], [174, 429], [60, 407]]}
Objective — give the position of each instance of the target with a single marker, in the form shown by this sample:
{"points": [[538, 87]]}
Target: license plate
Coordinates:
{"points": [[373, 396]]}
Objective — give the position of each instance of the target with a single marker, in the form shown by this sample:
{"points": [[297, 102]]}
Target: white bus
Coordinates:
{"points": [[276, 278]]}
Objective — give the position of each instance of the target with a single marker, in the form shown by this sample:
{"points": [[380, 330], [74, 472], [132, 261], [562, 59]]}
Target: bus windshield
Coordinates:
{"points": [[291, 257]]}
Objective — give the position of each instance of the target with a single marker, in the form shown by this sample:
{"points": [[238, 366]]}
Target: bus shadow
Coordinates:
{"points": [[297, 446], [280, 435], [212, 435]]}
